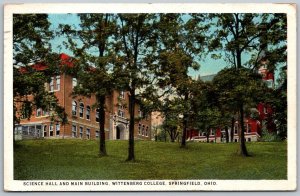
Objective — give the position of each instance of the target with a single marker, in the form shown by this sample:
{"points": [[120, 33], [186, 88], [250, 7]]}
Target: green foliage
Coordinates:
{"points": [[235, 86], [31, 46], [78, 160], [269, 137]]}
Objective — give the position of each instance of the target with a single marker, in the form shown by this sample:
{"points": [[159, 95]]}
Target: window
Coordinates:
{"points": [[52, 84], [51, 130], [88, 131], [212, 132], [57, 129], [58, 83], [235, 140], [74, 108], [122, 95], [74, 130], [38, 112], [121, 112], [235, 129], [97, 115], [88, 111], [249, 139], [140, 129], [146, 133], [80, 132], [143, 130], [74, 82], [45, 130], [97, 134], [81, 108]]}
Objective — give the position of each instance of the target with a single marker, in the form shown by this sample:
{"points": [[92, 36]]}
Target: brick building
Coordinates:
{"points": [[83, 118], [253, 127]]}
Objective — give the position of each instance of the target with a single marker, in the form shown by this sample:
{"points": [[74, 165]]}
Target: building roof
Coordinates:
{"points": [[65, 60]]}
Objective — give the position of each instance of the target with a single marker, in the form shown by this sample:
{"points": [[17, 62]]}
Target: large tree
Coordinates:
{"points": [[91, 44], [31, 49], [182, 45], [243, 89], [137, 45], [247, 40]]}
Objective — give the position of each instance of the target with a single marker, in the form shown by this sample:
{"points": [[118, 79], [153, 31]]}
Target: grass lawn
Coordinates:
{"points": [[78, 160]]}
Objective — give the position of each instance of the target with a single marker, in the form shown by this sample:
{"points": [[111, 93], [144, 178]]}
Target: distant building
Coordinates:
{"points": [[83, 118], [253, 126]]}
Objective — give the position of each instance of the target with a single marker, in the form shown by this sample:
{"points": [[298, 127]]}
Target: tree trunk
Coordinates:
{"points": [[226, 134], [243, 149], [185, 116], [207, 135], [102, 148], [131, 125]]}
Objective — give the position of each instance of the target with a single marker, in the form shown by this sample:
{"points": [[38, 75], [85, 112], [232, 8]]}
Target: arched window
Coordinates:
{"points": [[88, 111], [143, 130], [74, 108], [81, 108], [97, 115], [146, 133], [38, 112]]}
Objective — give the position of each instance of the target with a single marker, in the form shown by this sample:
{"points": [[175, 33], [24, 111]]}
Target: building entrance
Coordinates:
{"points": [[120, 134]]}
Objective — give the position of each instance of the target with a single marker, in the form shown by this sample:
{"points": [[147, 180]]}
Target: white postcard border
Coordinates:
{"points": [[149, 185]]}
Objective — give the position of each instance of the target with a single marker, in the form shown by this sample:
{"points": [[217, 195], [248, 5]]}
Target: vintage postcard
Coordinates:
{"points": [[150, 97]]}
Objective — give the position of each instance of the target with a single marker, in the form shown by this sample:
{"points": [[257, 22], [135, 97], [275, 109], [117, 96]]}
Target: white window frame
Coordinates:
{"points": [[97, 133], [88, 133], [74, 108], [57, 129], [74, 131], [121, 112], [45, 130], [74, 82], [80, 132], [57, 79], [39, 112], [88, 112], [81, 110], [51, 84], [50, 130]]}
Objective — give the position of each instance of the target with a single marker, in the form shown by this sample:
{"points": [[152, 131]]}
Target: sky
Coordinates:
{"points": [[208, 65]]}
